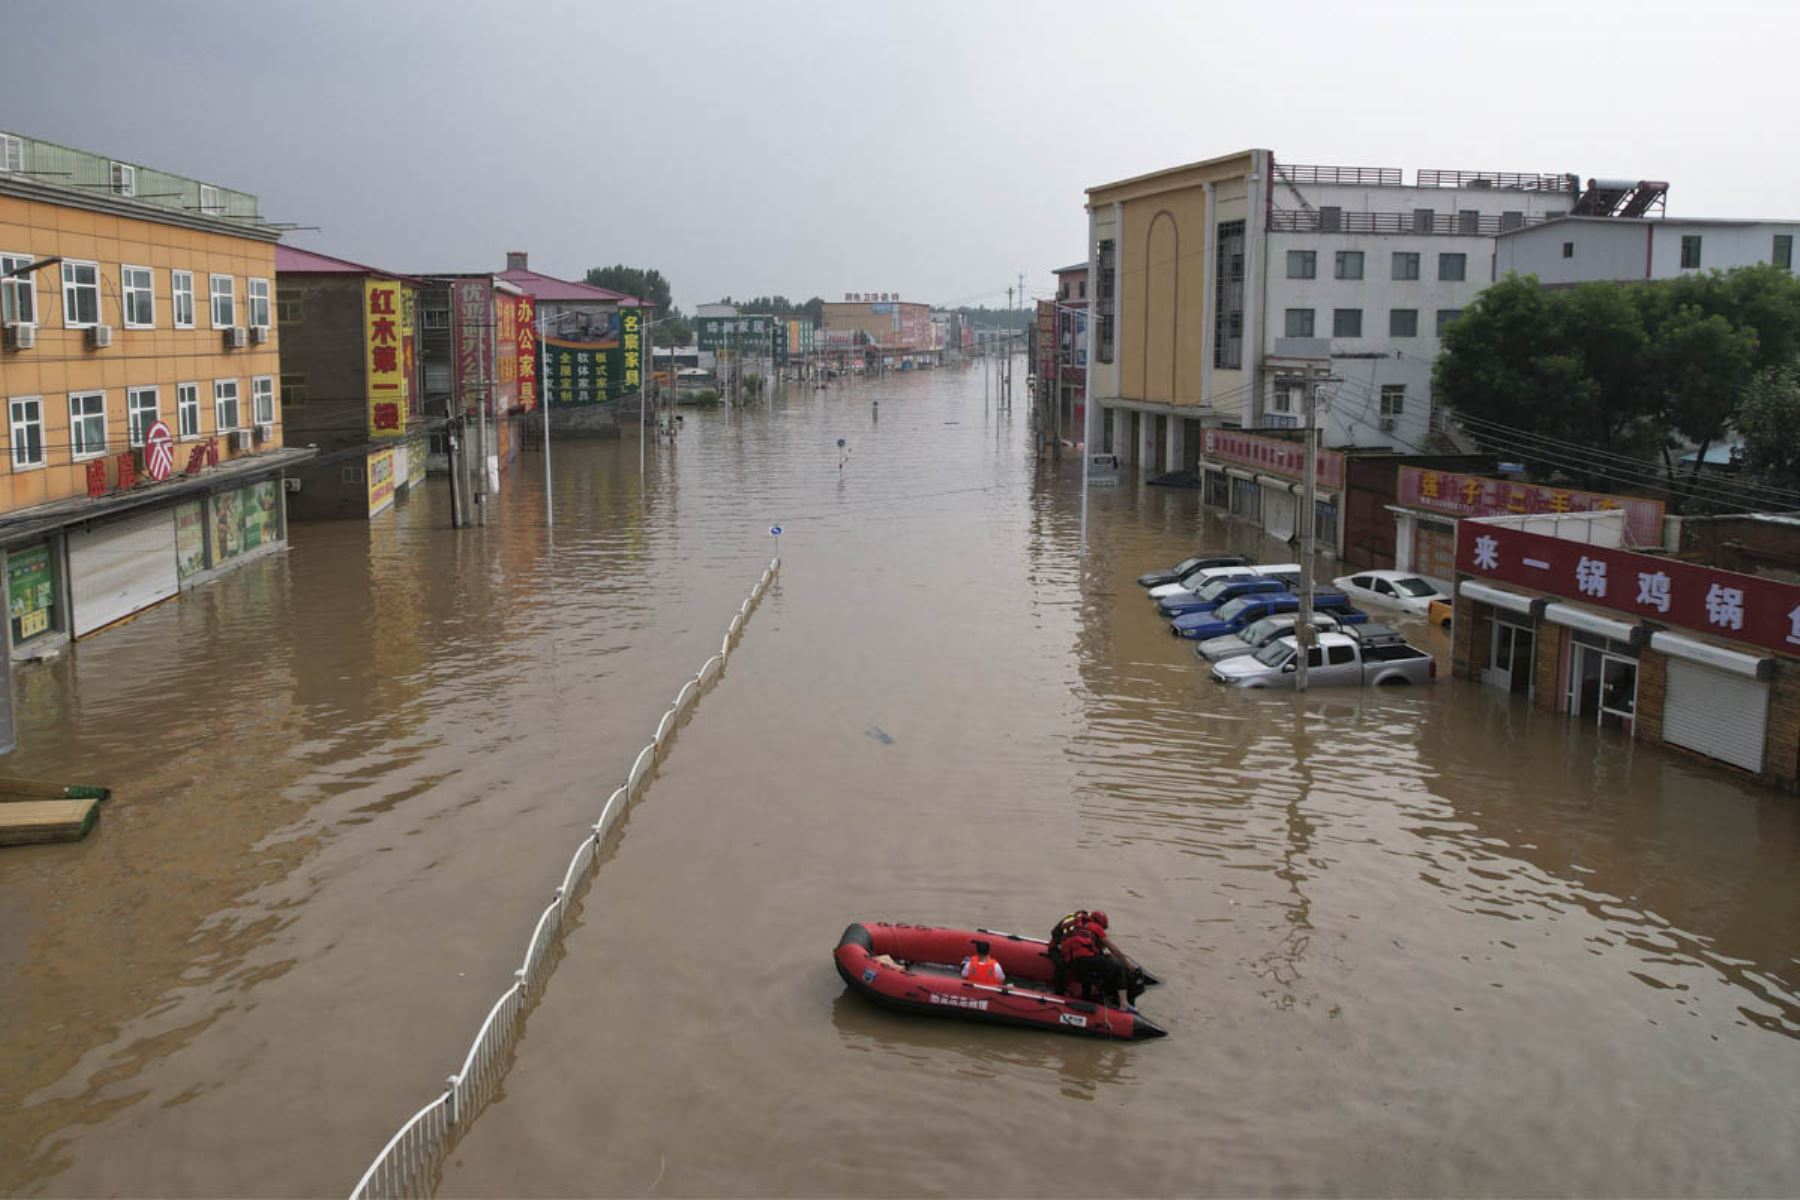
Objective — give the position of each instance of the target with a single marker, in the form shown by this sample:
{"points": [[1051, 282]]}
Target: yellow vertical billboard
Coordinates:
{"points": [[385, 360]]}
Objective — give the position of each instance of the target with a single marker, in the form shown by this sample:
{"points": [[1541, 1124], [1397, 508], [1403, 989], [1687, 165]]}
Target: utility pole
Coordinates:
{"points": [[1304, 634], [544, 409]]}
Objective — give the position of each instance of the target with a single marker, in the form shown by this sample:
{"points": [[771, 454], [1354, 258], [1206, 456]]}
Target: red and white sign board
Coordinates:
{"points": [[1273, 456], [159, 452], [1476, 496], [1742, 608]]}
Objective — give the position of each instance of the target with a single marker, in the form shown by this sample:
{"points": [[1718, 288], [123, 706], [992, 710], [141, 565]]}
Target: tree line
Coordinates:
{"points": [[1582, 382]]}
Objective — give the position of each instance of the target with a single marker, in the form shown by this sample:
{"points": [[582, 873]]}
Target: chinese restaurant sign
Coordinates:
{"points": [[528, 352], [472, 317], [383, 344], [1273, 455], [1476, 496], [1744, 608]]}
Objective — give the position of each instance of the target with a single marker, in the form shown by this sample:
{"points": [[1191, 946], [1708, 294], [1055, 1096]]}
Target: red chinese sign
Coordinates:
{"points": [[506, 352], [472, 317], [1477, 496], [1744, 608], [127, 470], [528, 352], [1273, 455], [385, 349]]}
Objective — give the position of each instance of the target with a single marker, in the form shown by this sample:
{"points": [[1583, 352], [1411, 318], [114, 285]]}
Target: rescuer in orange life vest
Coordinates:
{"points": [[1080, 949], [980, 968]]}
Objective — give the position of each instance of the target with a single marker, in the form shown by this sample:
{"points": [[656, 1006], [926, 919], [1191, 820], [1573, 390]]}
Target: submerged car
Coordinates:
{"points": [[1245, 610], [1377, 657], [1216, 593], [1393, 589], [1257, 634], [1188, 566], [1194, 581]]}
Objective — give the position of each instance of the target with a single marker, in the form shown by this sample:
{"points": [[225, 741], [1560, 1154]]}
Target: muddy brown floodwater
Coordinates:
{"points": [[1426, 942]]}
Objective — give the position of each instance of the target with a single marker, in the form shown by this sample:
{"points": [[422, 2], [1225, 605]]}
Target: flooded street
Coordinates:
{"points": [[1418, 942]]}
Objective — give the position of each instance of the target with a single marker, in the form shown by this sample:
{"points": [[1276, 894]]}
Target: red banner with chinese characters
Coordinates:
{"points": [[384, 359], [506, 351], [472, 325], [1477, 496], [1744, 608], [527, 352], [1273, 456]]}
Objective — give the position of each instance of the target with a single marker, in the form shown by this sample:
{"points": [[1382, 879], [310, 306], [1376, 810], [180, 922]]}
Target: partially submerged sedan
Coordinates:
{"points": [[1188, 566], [1198, 579], [1393, 589]]}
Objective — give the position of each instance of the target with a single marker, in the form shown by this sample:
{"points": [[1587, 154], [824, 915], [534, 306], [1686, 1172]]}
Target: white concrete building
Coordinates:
{"points": [[1580, 249], [1377, 267]]}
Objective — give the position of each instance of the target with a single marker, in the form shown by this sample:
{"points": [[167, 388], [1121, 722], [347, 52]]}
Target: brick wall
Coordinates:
{"points": [[1468, 639], [1781, 750], [1545, 681], [1652, 687]]}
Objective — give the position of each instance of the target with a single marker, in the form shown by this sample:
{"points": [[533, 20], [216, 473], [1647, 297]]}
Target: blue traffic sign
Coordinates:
{"points": [[774, 531]]}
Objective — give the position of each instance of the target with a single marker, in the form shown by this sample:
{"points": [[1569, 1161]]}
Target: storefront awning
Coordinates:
{"points": [[1515, 602], [1590, 622], [1676, 646], [1240, 473]]}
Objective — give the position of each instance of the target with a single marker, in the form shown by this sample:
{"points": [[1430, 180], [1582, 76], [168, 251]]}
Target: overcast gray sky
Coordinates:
{"points": [[936, 149]]}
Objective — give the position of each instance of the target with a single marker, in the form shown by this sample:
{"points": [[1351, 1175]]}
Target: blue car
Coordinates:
{"points": [[1218, 592], [1236, 614]]}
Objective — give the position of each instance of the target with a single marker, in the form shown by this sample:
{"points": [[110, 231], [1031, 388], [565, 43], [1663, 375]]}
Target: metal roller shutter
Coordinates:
{"points": [[122, 566], [1720, 715], [1434, 552], [1280, 513]]}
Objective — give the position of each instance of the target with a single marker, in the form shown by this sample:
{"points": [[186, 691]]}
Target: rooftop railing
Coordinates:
{"points": [[1419, 221]]}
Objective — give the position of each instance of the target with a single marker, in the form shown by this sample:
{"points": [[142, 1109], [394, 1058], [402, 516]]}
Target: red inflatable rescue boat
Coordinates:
{"points": [[918, 969]]}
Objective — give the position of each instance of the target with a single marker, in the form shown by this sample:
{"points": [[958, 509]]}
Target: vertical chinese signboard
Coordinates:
{"points": [[472, 327], [506, 353], [409, 351], [384, 360], [30, 592], [526, 322], [380, 480], [631, 341]]}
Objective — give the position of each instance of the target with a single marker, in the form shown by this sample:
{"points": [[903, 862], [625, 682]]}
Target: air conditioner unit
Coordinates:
{"points": [[259, 334], [1387, 424], [240, 439], [290, 484], [265, 434], [21, 335], [237, 337], [99, 337]]}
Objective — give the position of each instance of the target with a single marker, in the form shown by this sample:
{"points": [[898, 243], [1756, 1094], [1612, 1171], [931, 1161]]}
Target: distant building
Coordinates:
{"points": [[1582, 249], [140, 372], [471, 342], [1222, 284], [889, 327], [350, 377]]}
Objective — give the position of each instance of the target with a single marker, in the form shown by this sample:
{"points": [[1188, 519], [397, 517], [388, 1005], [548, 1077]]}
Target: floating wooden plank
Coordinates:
{"points": [[12, 788], [28, 821]]}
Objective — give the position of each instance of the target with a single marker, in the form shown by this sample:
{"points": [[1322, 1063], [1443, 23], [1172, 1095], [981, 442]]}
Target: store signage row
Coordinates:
{"points": [[1273, 456], [1744, 608], [1477, 496]]}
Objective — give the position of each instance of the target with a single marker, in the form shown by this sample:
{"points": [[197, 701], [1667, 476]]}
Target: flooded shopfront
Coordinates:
{"points": [[1413, 941]]}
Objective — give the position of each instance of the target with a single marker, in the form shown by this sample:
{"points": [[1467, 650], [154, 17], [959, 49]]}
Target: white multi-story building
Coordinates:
{"points": [[1582, 249], [1371, 269]]}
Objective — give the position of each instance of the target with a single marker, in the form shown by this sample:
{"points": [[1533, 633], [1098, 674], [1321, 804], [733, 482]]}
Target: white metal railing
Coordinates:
{"points": [[408, 1165]]}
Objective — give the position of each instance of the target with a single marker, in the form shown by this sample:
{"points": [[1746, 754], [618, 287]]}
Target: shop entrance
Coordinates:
{"points": [[1603, 685], [1510, 658]]}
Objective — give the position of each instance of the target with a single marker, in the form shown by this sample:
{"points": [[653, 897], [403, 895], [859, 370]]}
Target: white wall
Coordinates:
{"points": [[1623, 248]]}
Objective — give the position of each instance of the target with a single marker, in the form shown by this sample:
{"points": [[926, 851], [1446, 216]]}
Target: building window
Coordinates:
{"points": [[12, 153], [262, 399], [1444, 317], [256, 299], [290, 308], [141, 412], [225, 405], [87, 424], [1406, 264], [224, 302], [436, 320], [293, 390], [18, 294], [1690, 250], [1346, 322], [1303, 264], [1424, 220], [81, 294], [1511, 220], [27, 431], [1103, 301], [1393, 399], [1782, 255], [1285, 395], [187, 409], [1228, 297], [1568, 249], [138, 287], [1453, 267], [1331, 218], [1403, 322], [181, 292], [1081, 289], [124, 179], [1299, 322], [210, 201], [1349, 264], [1468, 220]]}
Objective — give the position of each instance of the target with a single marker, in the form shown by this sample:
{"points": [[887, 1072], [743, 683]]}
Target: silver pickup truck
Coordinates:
{"points": [[1374, 655], [1256, 635]]}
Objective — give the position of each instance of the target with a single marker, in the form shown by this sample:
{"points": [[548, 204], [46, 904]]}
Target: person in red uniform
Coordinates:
{"points": [[1090, 958], [981, 968]]}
